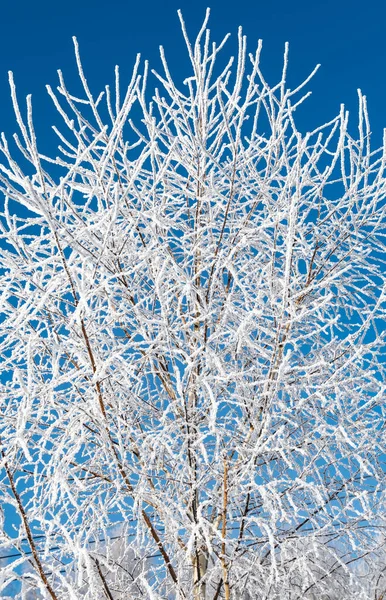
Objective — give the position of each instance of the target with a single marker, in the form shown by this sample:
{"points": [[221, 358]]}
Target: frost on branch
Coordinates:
{"points": [[192, 305]]}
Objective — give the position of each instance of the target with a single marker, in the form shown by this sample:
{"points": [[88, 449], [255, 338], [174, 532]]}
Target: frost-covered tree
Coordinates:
{"points": [[191, 343]]}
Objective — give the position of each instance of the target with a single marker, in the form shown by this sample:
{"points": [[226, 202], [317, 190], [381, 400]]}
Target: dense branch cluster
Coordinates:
{"points": [[192, 388]]}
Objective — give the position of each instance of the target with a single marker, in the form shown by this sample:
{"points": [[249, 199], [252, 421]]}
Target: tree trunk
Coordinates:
{"points": [[200, 565]]}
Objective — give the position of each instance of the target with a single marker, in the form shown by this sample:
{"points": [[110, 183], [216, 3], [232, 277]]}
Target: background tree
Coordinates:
{"points": [[191, 341]]}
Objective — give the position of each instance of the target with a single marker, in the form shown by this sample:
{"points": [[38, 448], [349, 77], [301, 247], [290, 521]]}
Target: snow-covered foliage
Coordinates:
{"points": [[191, 331]]}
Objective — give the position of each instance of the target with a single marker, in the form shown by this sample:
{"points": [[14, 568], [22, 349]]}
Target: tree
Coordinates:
{"points": [[191, 342]]}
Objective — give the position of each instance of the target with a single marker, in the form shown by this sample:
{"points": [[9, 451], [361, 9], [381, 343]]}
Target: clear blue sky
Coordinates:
{"points": [[346, 37]]}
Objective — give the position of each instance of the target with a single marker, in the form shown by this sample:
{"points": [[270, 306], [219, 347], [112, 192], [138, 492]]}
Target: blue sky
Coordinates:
{"points": [[346, 37]]}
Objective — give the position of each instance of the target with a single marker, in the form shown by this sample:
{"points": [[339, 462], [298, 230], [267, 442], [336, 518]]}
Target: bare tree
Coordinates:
{"points": [[191, 342]]}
